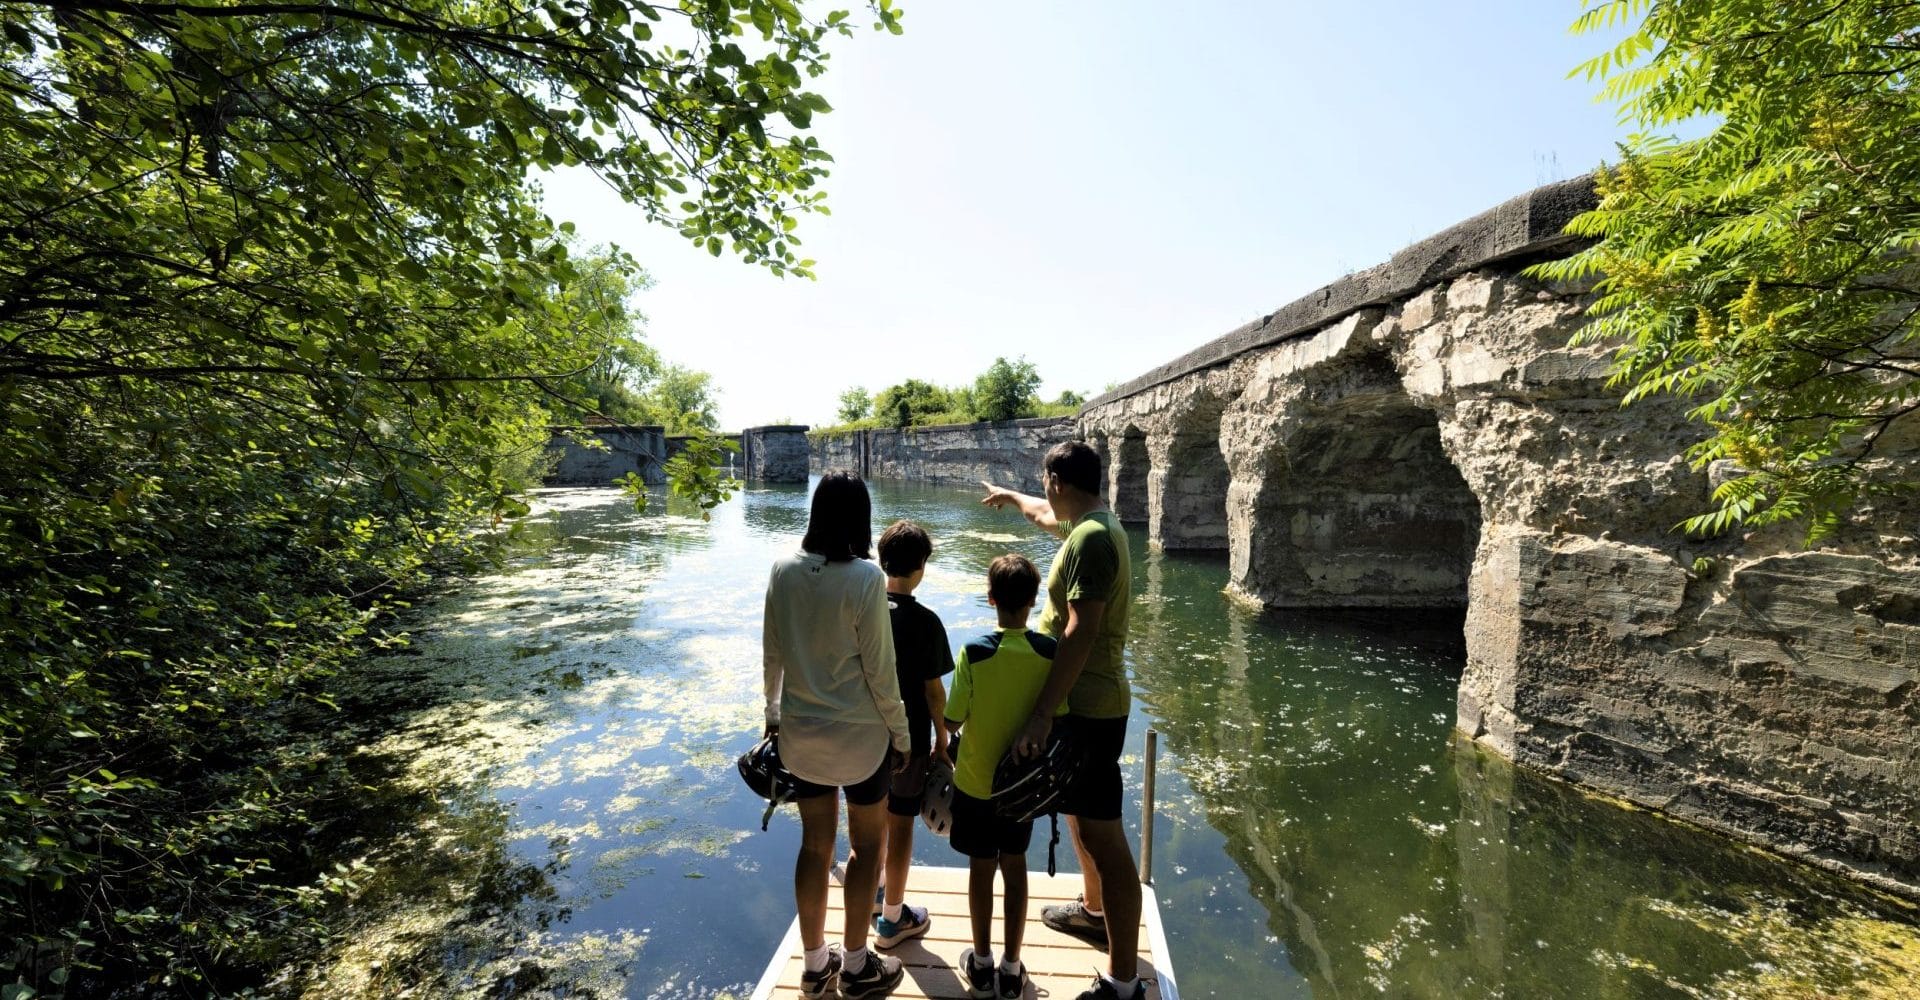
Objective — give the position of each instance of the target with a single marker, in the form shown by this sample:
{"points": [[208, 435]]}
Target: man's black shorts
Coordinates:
{"points": [[1095, 792], [871, 789], [979, 832], [909, 788]]}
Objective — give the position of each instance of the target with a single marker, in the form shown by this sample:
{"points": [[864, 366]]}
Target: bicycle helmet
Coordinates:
{"points": [[937, 808], [1028, 787], [761, 769]]}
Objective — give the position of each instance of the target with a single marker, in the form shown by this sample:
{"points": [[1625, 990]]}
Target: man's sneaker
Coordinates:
{"points": [[979, 977], [912, 923], [1073, 918], [1103, 989], [877, 978], [1013, 985], [820, 984]]}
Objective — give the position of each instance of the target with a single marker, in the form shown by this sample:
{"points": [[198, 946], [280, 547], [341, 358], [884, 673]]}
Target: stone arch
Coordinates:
{"points": [[1350, 500], [1187, 487], [1127, 476]]}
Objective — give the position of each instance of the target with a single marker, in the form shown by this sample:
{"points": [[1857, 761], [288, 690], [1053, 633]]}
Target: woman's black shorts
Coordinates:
{"points": [[1095, 791], [868, 791]]}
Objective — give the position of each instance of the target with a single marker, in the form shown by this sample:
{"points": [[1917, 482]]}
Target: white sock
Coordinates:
{"points": [[891, 911], [1011, 967], [1125, 989], [983, 960], [1091, 912], [816, 958], [852, 962]]}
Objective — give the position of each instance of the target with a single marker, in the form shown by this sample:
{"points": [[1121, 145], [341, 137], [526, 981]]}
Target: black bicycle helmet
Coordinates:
{"points": [[1028, 787], [761, 769]]}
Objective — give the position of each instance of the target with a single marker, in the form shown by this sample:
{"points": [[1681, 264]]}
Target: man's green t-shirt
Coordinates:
{"points": [[1093, 565]]}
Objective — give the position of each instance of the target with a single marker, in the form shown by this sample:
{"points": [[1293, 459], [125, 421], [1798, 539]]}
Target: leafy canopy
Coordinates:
{"points": [[1766, 270], [282, 320]]}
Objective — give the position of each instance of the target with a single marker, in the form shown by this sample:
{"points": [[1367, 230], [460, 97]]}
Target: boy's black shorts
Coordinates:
{"points": [[1095, 792], [869, 790], [980, 833], [909, 790]]}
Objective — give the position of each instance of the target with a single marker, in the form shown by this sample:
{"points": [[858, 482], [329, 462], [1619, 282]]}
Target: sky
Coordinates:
{"points": [[1099, 187]]}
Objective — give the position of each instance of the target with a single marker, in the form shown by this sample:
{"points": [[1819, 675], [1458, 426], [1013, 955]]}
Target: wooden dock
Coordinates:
{"points": [[1058, 966]]}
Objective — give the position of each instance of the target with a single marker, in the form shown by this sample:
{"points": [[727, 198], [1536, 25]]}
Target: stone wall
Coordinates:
{"points": [[1006, 452], [1434, 441], [774, 454], [624, 449]]}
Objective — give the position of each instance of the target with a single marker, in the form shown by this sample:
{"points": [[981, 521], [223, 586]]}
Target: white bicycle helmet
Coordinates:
{"points": [[937, 810]]}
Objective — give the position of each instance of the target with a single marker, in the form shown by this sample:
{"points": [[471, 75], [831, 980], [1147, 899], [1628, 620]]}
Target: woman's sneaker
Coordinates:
{"points": [[1013, 985], [912, 924], [820, 984], [877, 978], [1073, 918], [979, 977]]}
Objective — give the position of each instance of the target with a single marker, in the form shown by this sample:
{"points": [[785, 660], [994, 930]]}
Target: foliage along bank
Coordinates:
{"points": [[281, 321]]}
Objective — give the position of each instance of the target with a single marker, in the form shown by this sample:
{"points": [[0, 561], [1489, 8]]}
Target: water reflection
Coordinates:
{"points": [[563, 817], [1389, 858]]}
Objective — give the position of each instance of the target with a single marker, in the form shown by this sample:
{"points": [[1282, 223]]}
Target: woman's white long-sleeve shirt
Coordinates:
{"points": [[830, 681]]}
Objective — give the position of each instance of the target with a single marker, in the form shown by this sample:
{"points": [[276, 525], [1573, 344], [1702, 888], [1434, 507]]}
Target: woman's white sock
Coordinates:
{"points": [[816, 958]]}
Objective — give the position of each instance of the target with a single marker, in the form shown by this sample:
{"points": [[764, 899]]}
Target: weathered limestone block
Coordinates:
{"points": [[615, 452], [1443, 442], [1007, 452], [775, 454]]}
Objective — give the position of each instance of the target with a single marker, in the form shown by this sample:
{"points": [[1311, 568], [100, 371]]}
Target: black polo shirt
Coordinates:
{"points": [[920, 654]]}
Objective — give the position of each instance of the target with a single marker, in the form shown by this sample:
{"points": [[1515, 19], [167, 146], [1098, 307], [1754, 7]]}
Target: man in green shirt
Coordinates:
{"points": [[1089, 594]]}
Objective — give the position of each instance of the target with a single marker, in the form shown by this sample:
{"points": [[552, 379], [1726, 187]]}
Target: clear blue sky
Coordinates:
{"points": [[1102, 186]]}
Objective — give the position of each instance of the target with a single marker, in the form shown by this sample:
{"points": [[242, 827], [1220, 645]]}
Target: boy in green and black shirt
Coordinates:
{"points": [[995, 684]]}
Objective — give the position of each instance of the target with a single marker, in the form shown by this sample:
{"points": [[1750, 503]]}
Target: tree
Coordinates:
{"points": [[907, 403], [1070, 398], [281, 321], [1766, 270], [1006, 390], [682, 400], [855, 404]]}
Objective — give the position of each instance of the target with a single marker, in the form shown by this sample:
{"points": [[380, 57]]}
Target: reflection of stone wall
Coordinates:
{"points": [[1424, 435], [628, 448], [1006, 452], [775, 454]]}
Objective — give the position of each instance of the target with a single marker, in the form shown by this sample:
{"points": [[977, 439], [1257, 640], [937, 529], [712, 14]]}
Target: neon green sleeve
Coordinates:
{"points": [[960, 698]]}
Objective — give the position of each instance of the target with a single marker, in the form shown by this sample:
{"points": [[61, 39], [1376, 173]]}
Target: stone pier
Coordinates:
{"points": [[774, 454], [1421, 435]]}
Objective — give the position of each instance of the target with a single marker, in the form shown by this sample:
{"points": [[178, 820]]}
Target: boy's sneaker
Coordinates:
{"points": [[1013, 985], [1103, 989], [877, 978], [820, 984], [1073, 918], [979, 977], [912, 923]]}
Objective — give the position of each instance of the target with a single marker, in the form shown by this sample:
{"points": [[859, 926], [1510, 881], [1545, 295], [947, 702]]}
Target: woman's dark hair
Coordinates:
{"points": [[840, 526], [1076, 464]]}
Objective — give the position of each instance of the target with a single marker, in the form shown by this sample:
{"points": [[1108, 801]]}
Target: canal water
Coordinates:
{"points": [[565, 819]]}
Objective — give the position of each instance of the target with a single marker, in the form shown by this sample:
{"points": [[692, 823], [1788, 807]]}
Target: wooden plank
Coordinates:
{"points": [[1058, 966]]}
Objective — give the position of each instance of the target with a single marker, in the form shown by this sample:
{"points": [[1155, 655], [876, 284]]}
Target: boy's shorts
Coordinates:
{"points": [[909, 789], [871, 789], [1095, 791], [978, 832]]}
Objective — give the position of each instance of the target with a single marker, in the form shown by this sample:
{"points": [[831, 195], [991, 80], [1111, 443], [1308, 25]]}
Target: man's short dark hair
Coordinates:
{"points": [[904, 548], [1012, 581], [1075, 464], [840, 525]]}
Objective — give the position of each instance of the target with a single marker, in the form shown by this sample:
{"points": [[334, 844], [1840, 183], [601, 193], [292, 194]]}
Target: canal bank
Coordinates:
{"points": [[572, 719]]}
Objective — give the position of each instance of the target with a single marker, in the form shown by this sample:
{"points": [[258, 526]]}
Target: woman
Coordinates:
{"points": [[834, 702]]}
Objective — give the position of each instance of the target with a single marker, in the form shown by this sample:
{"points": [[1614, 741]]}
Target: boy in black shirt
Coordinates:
{"points": [[922, 657]]}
